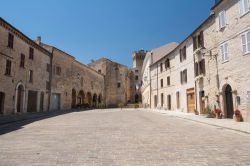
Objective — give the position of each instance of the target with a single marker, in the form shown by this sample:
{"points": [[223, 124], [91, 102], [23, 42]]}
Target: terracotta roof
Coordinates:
{"points": [[162, 51]]}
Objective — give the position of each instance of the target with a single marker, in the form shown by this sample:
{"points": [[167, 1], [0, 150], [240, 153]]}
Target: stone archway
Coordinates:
{"points": [[80, 98], [20, 98], [94, 101], [73, 103], [228, 101]]}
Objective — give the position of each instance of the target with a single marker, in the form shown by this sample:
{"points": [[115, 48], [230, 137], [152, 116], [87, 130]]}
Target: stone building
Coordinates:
{"points": [[73, 84], [117, 81], [225, 84], [136, 81], [151, 58], [24, 78]]}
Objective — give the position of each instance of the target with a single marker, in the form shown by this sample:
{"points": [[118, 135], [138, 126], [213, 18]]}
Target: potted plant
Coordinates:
{"points": [[209, 112], [218, 113], [237, 116]]}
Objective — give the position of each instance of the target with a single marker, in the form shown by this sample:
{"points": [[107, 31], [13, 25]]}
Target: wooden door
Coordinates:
{"points": [[1, 102], [32, 101], [190, 100]]}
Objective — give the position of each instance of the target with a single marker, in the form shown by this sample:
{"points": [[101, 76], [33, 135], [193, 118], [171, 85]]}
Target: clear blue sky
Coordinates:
{"points": [[91, 29]]}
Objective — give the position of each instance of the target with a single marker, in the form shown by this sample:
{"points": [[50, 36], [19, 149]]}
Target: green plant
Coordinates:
{"points": [[209, 112]]}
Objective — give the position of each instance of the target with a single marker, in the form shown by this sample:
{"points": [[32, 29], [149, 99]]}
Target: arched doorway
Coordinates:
{"points": [[73, 103], [80, 98], [94, 100], [100, 99], [228, 102], [136, 98], [89, 99], [19, 98]]}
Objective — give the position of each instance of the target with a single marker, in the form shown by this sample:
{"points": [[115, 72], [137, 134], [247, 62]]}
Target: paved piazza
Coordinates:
{"points": [[121, 138]]}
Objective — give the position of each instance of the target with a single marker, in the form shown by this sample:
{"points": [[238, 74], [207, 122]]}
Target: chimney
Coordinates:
{"points": [[38, 40]]}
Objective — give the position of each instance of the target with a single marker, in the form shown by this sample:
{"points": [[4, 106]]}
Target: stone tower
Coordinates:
{"points": [[138, 58]]}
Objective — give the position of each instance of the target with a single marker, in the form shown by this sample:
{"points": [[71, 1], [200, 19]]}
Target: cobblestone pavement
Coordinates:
{"points": [[110, 137]]}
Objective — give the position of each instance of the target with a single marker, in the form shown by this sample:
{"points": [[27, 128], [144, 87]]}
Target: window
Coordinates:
{"points": [[118, 85], [178, 99], [161, 68], [224, 52], [58, 70], [48, 68], [183, 76], [222, 19], [22, 61], [183, 53], [198, 41], [31, 55], [99, 71], [248, 95], [167, 63], [168, 81], [244, 7], [30, 76], [202, 67], [245, 39], [136, 71], [8, 68], [161, 83], [136, 77], [169, 102], [10, 40], [47, 85]]}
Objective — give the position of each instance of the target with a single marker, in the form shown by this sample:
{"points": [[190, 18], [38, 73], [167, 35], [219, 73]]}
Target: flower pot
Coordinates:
{"points": [[237, 118]]}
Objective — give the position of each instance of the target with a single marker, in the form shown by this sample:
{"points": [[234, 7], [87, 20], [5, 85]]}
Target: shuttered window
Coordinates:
{"points": [[30, 76], [31, 53], [10, 40], [8, 68], [196, 65], [168, 81], [202, 67], [161, 83], [167, 64], [224, 52], [178, 99], [169, 102], [244, 7], [22, 61], [222, 19], [245, 40]]}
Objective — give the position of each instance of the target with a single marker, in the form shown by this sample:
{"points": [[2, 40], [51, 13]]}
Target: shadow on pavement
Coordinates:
{"points": [[15, 122]]}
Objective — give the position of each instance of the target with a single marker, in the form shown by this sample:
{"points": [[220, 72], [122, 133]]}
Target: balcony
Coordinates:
{"points": [[199, 53]]}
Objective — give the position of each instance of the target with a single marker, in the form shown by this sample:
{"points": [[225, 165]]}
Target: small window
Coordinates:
{"points": [[248, 96], [161, 83], [168, 81], [118, 85], [10, 40], [8, 68], [202, 68], [244, 7], [222, 19], [161, 68], [245, 40], [224, 52], [30, 76], [58, 70], [22, 61], [47, 85], [48, 68], [167, 64], [99, 71], [31, 54], [183, 76], [136, 71]]}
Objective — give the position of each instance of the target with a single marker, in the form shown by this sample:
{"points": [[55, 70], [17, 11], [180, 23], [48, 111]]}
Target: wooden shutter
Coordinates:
{"points": [[196, 66], [180, 55], [194, 43], [201, 39], [184, 52]]}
